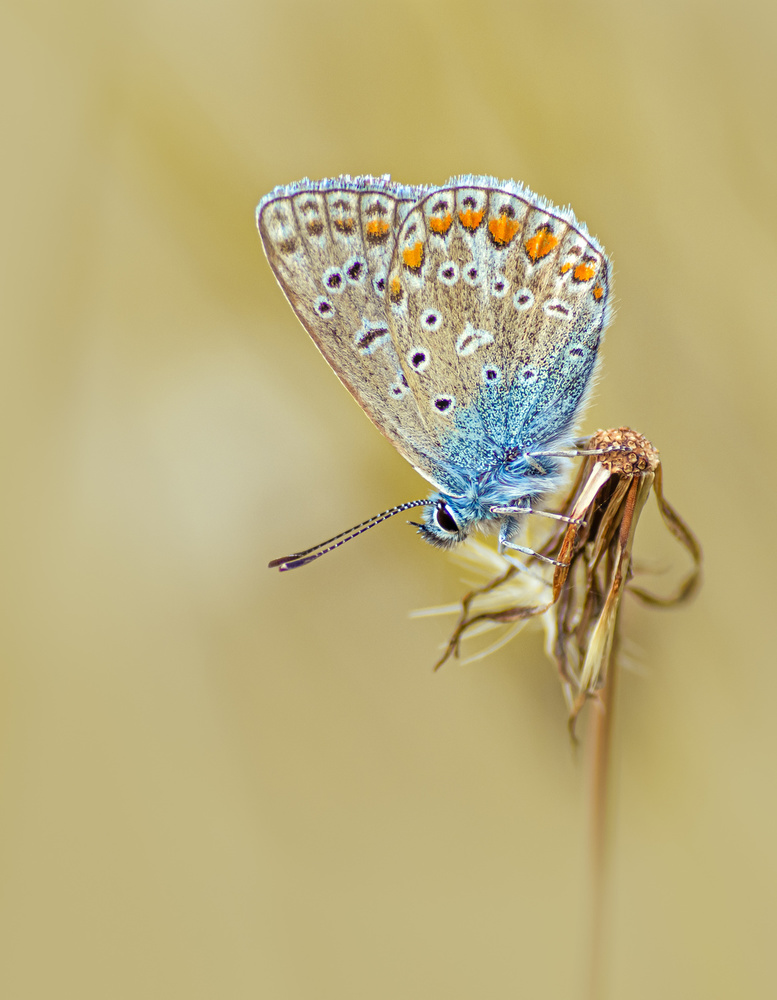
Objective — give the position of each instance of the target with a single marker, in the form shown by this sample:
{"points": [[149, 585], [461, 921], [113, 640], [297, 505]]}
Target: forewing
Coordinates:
{"points": [[329, 244], [497, 304]]}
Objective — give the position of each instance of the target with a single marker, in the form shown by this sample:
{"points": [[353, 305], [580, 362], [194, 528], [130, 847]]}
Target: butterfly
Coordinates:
{"points": [[464, 319]]}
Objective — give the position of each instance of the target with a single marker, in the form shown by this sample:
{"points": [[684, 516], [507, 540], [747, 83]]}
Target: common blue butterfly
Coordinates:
{"points": [[464, 319]]}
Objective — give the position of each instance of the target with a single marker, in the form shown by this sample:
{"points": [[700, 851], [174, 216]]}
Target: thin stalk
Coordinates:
{"points": [[603, 710]]}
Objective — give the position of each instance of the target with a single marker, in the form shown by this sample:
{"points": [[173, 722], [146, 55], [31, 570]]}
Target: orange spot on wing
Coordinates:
{"points": [[503, 229], [440, 225], [471, 219], [413, 256], [345, 225], [395, 290], [540, 245], [584, 272], [377, 227], [598, 292], [566, 267]]}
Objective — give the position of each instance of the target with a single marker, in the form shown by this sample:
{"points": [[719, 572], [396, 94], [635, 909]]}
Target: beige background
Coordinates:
{"points": [[217, 781]]}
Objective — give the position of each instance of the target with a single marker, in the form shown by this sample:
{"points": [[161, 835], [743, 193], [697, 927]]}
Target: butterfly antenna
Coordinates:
{"points": [[303, 558]]}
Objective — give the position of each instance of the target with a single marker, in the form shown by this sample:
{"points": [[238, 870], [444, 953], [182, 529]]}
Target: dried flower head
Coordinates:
{"points": [[579, 601]]}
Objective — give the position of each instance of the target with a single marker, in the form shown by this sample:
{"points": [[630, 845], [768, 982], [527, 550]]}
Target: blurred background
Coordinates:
{"points": [[219, 781]]}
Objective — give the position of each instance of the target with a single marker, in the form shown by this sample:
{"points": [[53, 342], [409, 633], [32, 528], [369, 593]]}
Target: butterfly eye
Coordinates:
{"points": [[443, 515]]}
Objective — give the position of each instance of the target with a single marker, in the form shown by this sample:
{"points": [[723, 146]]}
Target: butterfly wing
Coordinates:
{"points": [[330, 244], [497, 304]]}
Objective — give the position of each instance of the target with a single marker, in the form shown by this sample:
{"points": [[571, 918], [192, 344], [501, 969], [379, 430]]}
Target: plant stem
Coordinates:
{"points": [[599, 749]]}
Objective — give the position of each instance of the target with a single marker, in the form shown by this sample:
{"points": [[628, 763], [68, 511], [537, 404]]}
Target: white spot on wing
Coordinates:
{"points": [[430, 320], [448, 273], [333, 280], [418, 359], [324, 307], [523, 299], [370, 337], [499, 286], [558, 309], [471, 340], [471, 274]]}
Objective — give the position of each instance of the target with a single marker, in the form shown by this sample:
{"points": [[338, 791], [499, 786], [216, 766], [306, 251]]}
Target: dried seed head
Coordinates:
{"points": [[593, 553], [634, 452]]}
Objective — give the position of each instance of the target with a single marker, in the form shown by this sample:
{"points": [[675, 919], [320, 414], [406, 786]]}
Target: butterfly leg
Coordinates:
{"points": [[509, 527], [532, 510], [530, 552]]}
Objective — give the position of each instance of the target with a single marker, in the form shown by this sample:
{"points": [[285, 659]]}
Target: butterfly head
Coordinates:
{"points": [[495, 504], [443, 524], [448, 520]]}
